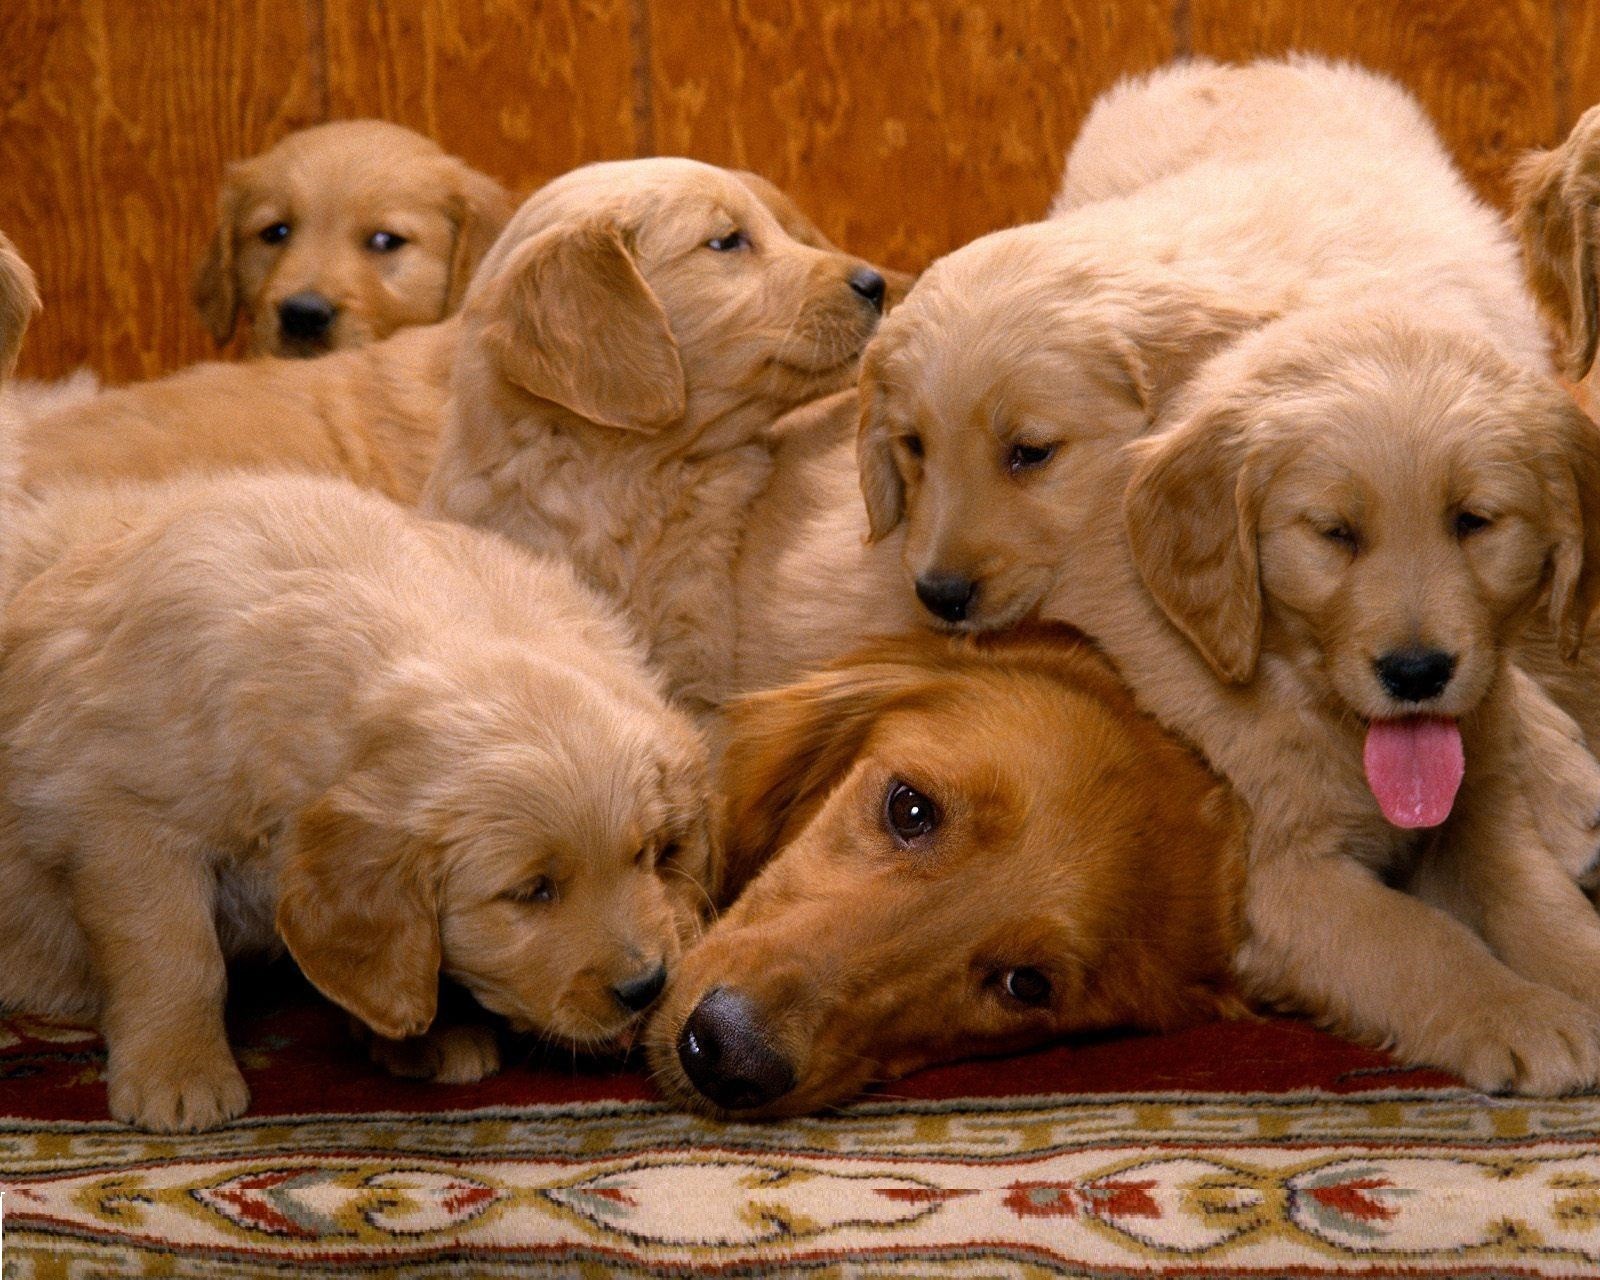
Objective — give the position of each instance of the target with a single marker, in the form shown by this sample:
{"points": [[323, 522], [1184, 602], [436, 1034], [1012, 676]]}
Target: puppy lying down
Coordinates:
{"points": [[250, 713], [954, 847]]}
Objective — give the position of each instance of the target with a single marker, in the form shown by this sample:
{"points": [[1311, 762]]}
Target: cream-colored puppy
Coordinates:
{"points": [[998, 406], [343, 233], [625, 351], [250, 712]]}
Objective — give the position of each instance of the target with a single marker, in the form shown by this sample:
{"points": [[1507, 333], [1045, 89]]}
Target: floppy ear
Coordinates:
{"points": [[1572, 485], [1172, 329], [575, 323], [1553, 196], [881, 482], [480, 208], [787, 748], [19, 299], [1191, 523], [358, 910], [216, 282]]}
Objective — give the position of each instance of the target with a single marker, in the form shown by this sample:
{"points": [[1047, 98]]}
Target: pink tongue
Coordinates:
{"points": [[1414, 767]]}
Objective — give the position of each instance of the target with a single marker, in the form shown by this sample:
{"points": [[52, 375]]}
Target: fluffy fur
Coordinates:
{"points": [[618, 378], [366, 219], [255, 711], [857, 954], [998, 404]]}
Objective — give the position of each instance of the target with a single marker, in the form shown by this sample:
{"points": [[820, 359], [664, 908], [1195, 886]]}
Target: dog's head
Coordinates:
{"points": [[19, 299], [514, 825], [637, 295], [969, 847], [343, 233], [997, 400], [1556, 195], [1383, 502]]}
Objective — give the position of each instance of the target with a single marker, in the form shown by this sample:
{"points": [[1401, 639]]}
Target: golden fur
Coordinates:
{"points": [[255, 711], [998, 404], [373, 414], [618, 378], [365, 217], [856, 955]]}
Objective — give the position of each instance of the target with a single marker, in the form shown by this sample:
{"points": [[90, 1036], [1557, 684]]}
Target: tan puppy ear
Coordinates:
{"points": [[882, 485], [1191, 525], [216, 281], [787, 748], [19, 299], [573, 322], [359, 913], [480, 208], [1554, 194], [1572, 488]]}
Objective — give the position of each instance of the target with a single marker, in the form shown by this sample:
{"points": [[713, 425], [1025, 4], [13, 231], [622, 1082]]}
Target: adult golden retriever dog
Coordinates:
{"points": [[341, 234], [248, 713], [954, 847], [998, 406], [625, 350], [374, 414]]}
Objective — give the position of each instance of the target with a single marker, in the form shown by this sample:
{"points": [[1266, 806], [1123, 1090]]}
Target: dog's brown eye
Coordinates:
{"points": [[275, 234], [1469, 522], [385, 241], [1342, 534], [668, 853], [912, 445], [540, 889], [1026, 985], [1025, 457], [728, 243], [909, 814]]}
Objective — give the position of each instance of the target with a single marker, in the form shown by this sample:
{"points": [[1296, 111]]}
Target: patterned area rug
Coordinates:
{"points": [[1250, 1149]]}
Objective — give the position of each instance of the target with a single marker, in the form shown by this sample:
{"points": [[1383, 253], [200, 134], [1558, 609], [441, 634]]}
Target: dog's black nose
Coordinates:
{"points": [[727, 1058], [946, 595], [1415, 675], [870, 285], [640, 991], [305, 316]]}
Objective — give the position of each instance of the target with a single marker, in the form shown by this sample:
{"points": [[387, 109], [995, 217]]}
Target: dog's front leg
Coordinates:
{"points": [[1560, 778], [145, 903]]}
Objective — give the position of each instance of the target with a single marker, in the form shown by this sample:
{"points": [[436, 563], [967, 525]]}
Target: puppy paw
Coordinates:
{"points": [[1531, 1040], [460, 1054], [177, 1095]]}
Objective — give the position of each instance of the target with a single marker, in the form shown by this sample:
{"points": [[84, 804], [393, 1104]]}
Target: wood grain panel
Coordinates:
{"points": [[524, 91], [904, 128], [1485, 71], [115, 122]]}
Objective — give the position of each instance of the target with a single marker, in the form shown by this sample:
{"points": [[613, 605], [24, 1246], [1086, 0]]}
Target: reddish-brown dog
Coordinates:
{"points": [[953, 847]]}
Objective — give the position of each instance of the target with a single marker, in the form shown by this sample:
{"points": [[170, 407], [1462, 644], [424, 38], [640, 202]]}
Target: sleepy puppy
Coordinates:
{"points": [[625, 350], [373, 414], [341, 234], [999, 403], [247, 713], [954, 847]]}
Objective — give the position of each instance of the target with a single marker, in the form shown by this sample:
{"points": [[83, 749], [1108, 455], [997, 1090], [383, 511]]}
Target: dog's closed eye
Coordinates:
{"points": [[538, 891]]}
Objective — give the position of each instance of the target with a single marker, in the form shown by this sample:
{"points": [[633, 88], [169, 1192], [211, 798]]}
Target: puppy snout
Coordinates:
{"points": [[306, 316], [639, 992], [946, 595], [728, 1058], [870, 286], [1414, 674]]}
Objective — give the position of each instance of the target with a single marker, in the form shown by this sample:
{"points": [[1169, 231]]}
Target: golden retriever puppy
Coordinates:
{"points": [[998, 406], [957, 847], [341, 234], [626, 348], [373, 414], [255, 712]]}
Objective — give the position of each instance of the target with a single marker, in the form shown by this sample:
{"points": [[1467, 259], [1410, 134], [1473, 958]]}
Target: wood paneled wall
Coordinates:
{"points": [[906, 127]]}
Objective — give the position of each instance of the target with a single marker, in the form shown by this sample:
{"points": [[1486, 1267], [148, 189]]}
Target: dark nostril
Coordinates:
{"points": [[1415, 675], [946, 595], [306, 315], [870, 285], [726, 1056], [640, 991]]}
